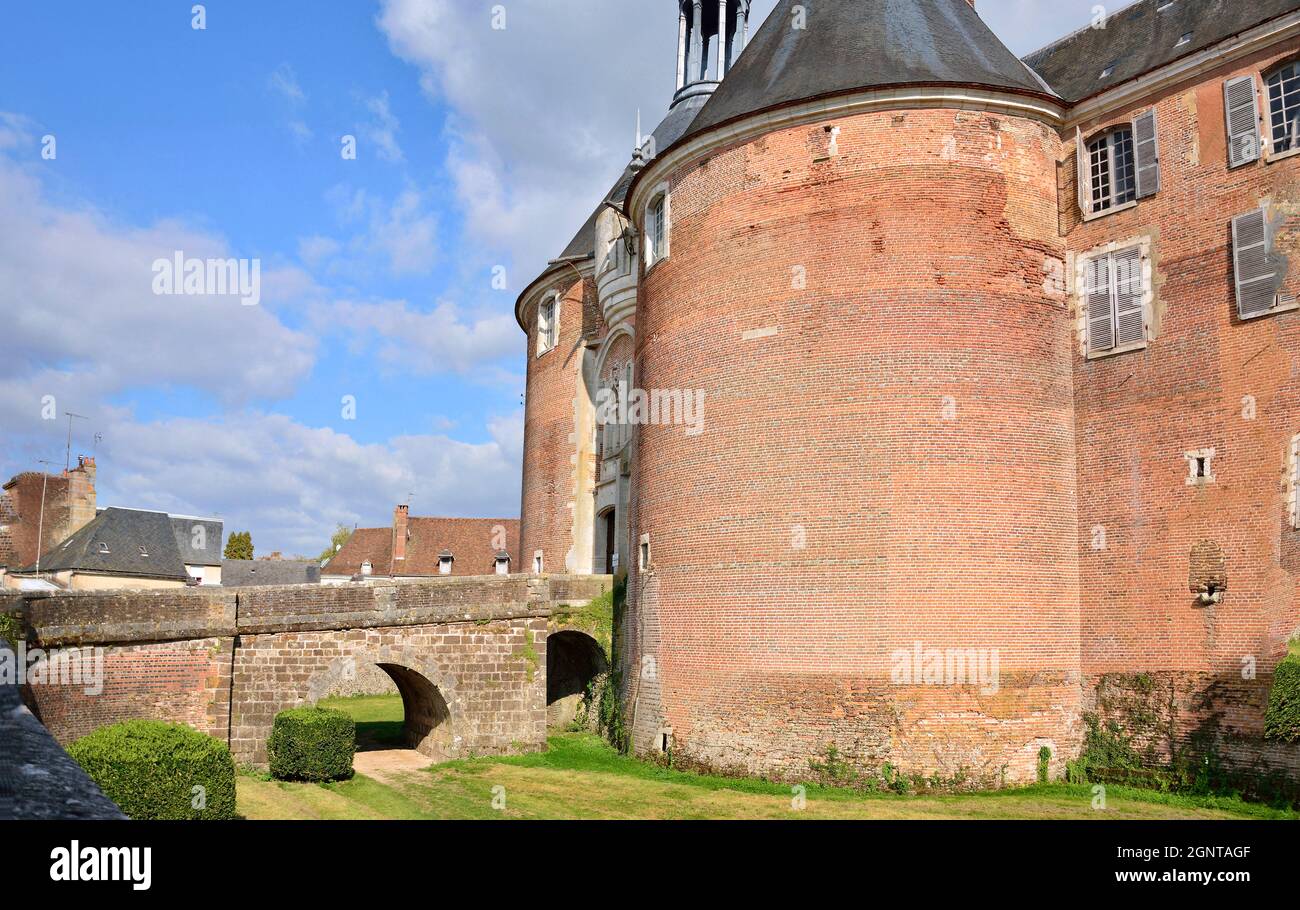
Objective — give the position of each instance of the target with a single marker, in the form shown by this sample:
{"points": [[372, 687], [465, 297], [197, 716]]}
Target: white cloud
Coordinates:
{"points": [[403, 232], [382, 129], [285, 82], [291, 484], [79, 300], [425, 342]]}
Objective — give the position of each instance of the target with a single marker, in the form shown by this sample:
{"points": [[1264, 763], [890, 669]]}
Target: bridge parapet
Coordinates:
{"points": [[72, 619], [468, 654]]}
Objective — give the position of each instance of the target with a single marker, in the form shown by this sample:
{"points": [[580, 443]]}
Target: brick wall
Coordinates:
{"points": [[559, 455], [1206, 380], [888, 449]]}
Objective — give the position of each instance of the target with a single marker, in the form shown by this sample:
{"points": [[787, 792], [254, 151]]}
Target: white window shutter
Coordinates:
{"points": [[1084, 177], [1130, 293], [1256, 274], [1242, 107], [1101, 323], [1146, 149]]}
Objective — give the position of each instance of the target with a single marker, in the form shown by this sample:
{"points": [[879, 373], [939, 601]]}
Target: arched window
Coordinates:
{"points": [[1110, 164], [1284, 107], [658, 218]]}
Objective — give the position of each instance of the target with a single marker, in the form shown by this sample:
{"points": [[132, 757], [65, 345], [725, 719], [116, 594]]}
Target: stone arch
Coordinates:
{"points": [[597, 374], [431, 706], [573, 661]]}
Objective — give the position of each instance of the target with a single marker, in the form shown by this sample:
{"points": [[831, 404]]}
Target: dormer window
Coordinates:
{"points": [[445, 562], [144, 552], [367, 568], [503, 564], [103, 549]]}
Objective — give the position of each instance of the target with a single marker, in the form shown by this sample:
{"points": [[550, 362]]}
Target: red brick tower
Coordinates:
{"points": [[886, 459]]}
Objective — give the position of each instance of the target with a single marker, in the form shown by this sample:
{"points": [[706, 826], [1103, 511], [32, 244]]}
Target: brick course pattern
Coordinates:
{"points": [[467, 654], [906, 441]]}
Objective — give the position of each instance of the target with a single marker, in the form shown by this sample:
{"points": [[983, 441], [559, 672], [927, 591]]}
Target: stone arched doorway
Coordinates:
{"points": [[426, 726], [428, 723], [574, 660]]}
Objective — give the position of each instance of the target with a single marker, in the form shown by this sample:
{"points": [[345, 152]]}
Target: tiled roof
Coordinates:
{"points": [[471, 541], [1143, 37], [373, 544]]}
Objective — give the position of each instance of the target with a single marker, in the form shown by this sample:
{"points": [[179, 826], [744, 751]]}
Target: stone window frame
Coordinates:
{"points": [[446, 565], [539, 562], [548, 342], [1208, 455], [1293, 481], [1093, 212], [1081, 261], [653, 255], [1266, 76]]}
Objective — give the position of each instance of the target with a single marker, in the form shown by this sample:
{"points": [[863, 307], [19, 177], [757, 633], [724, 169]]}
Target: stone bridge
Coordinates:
{"points": [[468, 655]]}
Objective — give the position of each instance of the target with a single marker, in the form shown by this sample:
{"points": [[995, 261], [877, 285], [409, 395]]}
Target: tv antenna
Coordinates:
{"points": [[67, 458]]}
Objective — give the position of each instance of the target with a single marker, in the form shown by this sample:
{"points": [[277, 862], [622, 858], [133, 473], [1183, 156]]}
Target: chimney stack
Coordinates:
{"points": [[81, 495], [401, 517]]}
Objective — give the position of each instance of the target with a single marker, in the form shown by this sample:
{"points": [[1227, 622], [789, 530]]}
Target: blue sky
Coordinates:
{"points": [[477, 149]]}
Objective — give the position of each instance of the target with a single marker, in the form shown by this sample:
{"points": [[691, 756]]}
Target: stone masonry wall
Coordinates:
{"points": [[468, 653]]}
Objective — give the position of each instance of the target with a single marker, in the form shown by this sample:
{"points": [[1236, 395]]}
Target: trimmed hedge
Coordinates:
{"points": [[1282, 720], [152, 770], [312, 744]]}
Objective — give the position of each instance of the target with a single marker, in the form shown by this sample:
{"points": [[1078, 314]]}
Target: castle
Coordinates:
{"points": [[995, 368]]}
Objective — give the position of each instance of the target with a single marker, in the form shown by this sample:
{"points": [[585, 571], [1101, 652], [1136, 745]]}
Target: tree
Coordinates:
{"points": [[340, 537], [239, 545]]}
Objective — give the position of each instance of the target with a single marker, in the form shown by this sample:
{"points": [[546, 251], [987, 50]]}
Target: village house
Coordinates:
{"points": [[426, 547]]}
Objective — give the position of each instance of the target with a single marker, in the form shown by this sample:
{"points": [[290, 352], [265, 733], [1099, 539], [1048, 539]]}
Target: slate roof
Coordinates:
{"points": [[245, 573], [1141, 38], [121, 542], [469, 540], [210, 553], [861, 44]]}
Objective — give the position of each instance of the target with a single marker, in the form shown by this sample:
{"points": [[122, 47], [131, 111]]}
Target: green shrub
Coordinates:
{"points": [[312, 744], [156, 770], [1044, 764], [1282, 720], [11, 629]]}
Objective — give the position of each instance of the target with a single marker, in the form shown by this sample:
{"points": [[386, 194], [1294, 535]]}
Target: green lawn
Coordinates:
{"points": [[378, 717], [580, 776]]}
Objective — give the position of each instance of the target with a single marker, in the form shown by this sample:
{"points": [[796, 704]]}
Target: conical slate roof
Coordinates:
{"points": [[849, 45]]}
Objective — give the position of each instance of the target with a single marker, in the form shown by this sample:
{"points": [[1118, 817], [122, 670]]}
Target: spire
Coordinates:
{"points": [[710, 36]]}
